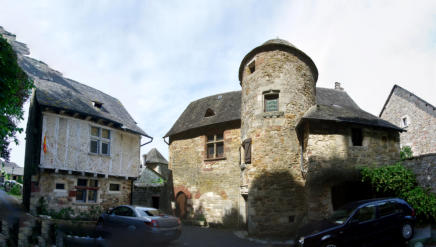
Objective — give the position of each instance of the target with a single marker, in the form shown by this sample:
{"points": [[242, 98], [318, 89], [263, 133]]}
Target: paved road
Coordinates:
{"points": [[200, 237]]}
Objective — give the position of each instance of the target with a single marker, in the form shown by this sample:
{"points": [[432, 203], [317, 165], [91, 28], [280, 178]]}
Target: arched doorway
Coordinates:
{"points": [[181, 205]]}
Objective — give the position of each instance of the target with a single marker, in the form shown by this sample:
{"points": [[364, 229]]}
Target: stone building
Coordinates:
{"points": [[416, 116], [154, 186], [278, 152], [82, 146]]}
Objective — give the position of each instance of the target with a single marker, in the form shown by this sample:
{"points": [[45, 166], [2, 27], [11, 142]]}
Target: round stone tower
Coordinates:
{"points": [[278, 87]]}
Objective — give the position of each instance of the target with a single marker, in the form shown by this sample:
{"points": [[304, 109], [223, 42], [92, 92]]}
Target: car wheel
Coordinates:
{"points": [[407, 231], [330, 244]]}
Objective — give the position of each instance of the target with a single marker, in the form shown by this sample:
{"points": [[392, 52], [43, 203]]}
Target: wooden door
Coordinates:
{"points": [[181, 205]]}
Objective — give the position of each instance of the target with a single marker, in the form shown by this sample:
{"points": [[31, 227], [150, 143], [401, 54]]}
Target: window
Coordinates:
{"points": [[386, 209], [86, 190], [114, 187], [97, 104], [252, 66], [209, 113], [215, 146], [100, 141], [356, 137], [247, 151], [271, 100], [123, 211], [404, 121], [60, 186], [365, 214]]}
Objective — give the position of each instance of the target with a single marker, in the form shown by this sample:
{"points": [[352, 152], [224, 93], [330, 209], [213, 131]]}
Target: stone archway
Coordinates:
{"points": [[181, 205]]}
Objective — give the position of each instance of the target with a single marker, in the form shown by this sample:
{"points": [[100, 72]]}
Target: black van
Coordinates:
{"points": [[363, 222]]}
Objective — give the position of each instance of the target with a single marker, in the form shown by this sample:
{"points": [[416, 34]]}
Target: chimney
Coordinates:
{"points": [[338, 86]]}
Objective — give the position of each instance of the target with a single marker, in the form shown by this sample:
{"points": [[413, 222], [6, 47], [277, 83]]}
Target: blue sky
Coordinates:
{"points": [[157, 56]]}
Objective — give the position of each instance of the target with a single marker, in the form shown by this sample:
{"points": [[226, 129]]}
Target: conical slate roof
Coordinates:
{"points": [[155, 157]]}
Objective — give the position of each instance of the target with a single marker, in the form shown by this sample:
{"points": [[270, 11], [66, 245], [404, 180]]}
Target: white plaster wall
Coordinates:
{"points": [[68, 141]]}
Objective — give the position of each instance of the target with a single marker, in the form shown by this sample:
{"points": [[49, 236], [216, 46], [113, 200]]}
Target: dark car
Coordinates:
{"points": [[135, 225], [364, 222]]}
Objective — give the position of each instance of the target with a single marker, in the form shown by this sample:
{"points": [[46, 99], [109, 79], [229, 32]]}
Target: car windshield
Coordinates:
{"points": [[341, 215], [150, 212]]}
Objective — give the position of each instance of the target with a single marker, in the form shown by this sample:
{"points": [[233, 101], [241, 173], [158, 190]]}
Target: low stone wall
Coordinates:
{"points": [[424, 167], [41, 231]]}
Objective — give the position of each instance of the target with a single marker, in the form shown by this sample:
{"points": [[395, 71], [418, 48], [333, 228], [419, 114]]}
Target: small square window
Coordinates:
{"points": [[271, 102], [93, 183], [105, 133], [219, 149], [94, 146], [60, 186], [114, 187], [105, 148], [82, 182], [210, 150], [81, 195], [95, 131]]}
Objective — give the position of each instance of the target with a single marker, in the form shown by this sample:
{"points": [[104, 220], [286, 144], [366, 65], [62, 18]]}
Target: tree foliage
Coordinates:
{"points": [[15, 89], [399, 181], [406, 153]]}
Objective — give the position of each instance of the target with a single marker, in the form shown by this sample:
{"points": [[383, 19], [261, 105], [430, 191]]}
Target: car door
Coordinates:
{"points": [[363, 227], [111, 220], [389, 218]]}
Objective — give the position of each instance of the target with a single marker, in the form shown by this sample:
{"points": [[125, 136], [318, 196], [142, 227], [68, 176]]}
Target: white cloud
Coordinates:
{"points": [[157, 56]]}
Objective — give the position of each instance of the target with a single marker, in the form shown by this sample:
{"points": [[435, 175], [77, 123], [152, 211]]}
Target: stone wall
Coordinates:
{"points": [[68, 141], [44, 186], [211, 185], [424, 167], [276, 203], [330, 159], [421, 130]]}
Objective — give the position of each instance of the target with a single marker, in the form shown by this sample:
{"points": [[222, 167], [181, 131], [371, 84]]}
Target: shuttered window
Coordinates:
{"points": [[247, 151]]}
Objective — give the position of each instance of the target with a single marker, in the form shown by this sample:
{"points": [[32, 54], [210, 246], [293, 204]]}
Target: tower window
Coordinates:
{"points": [[215, 146], [404, 121], [252, 66], [271, 102], [356, 137]]}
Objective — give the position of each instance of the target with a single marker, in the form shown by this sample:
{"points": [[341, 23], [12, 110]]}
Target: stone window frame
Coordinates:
{"points": [[214, 142], [402, 124], [100, 140], [270, 93], [113, 191], [86, 189]]}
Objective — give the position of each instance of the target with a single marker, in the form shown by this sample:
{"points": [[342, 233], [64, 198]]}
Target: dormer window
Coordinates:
{"points": [[209, 113], [97, 104]]}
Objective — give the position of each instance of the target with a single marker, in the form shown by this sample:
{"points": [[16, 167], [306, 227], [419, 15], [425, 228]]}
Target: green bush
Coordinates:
{"points": [[401, 182], [16, 190], [406, 153]]}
